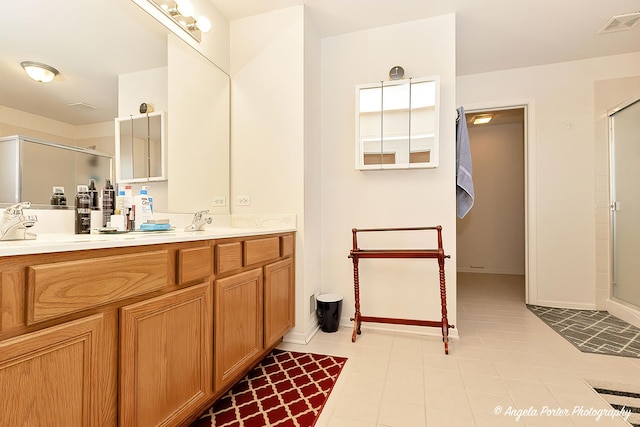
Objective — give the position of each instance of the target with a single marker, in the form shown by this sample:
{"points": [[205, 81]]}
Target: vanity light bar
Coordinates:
{"points": [[173, 15]]}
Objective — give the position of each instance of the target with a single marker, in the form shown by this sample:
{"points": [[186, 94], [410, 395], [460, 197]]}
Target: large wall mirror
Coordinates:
{"points": [[397, 124], [91, 43]]}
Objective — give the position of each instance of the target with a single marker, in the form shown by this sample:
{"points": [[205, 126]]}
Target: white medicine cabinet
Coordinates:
{"points": [[141, 148], [397, 124]]}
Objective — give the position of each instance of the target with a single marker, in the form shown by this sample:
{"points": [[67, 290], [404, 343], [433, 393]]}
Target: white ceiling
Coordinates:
{"points": [[490, 34], [92, 41]]}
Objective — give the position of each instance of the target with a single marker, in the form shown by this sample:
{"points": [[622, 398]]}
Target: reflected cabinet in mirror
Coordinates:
{"points": [[397, 124], [141, 148]]}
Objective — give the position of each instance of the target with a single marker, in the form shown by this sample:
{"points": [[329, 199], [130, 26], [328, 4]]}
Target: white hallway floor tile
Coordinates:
{"points": [[508, 368]]}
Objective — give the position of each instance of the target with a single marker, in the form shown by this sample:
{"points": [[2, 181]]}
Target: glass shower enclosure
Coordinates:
{"points": [[624, 143]]}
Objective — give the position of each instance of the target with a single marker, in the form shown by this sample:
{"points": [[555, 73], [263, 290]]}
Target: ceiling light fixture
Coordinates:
{"points": [[178, 16], [481, 119], [39, 72]]}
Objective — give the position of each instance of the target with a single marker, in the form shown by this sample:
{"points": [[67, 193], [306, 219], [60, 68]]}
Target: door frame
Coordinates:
{"points": [[530, 184]]}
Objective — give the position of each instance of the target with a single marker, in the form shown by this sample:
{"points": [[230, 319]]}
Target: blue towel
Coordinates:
{"points": [[464, 180]]}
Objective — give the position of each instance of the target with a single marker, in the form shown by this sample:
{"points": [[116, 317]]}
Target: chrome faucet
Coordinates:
{"points": [[199, 221], [15, 225]]}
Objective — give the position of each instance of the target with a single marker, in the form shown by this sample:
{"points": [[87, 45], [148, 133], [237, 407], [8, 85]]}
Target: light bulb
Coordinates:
{"points": [[185, 7], [203, 24]]}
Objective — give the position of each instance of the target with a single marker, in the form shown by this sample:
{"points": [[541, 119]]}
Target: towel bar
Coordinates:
{"points": [[356, 254]]}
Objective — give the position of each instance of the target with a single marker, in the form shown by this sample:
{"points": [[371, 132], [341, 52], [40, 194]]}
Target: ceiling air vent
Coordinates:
{"points": [[83, 106], [621, 22]]}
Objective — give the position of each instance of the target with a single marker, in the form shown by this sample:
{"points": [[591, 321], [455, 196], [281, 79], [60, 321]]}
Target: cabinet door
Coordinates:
{"points": [[61, 376], [279, 301], [237, 324], [165, 357]]}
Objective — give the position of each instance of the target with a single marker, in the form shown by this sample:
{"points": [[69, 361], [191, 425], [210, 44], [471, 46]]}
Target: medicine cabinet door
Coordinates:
{"points": [[140, 148], [397, 124]]}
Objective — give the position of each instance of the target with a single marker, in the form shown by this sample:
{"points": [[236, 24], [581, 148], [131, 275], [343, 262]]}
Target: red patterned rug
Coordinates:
{"points": [[287, 389]]}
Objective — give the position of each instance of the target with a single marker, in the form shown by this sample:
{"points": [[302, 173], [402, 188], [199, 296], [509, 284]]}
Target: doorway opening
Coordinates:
{"points": [[492, 239]]}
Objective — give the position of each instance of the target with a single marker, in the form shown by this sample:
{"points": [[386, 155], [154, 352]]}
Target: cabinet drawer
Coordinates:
{"points": [[61, 288], [228, 257], [194, 264], [286, 246], [261, 250]]}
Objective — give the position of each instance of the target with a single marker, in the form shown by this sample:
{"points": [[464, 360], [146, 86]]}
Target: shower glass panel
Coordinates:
{"points": [[624, 135]]}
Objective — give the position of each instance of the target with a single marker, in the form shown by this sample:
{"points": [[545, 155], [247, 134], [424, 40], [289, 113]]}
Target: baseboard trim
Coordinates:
{"points": [[486, 271], [302, 338], [564, 304]]}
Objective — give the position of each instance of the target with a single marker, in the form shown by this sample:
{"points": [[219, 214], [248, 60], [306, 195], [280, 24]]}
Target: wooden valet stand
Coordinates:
{"points": [[356, 254]]}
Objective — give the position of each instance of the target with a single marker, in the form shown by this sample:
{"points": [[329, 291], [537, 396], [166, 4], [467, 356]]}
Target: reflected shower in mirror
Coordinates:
{"points": [[24, 160]]}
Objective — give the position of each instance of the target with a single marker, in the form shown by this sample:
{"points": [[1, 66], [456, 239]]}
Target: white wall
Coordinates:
{"points": [[491, 236], [561, 167], [353, 198], [268, 113]]}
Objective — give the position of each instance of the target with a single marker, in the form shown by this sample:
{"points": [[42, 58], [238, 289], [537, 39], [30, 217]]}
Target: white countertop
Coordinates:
{"points": [[64, 242]]}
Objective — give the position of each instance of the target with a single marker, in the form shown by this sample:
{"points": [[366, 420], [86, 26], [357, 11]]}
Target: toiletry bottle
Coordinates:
{"points": [[129, 208], [119, 208], [108, 203], [128, 197], [146, 188], [93, 195], [83, 210], [58, 199], [142, 207]]}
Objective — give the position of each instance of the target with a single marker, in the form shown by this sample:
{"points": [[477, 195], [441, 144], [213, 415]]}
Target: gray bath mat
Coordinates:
{"points": [[592, 331]]}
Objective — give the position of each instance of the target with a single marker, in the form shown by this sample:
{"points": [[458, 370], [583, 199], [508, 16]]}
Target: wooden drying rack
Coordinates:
{"points": [[356, 254]]}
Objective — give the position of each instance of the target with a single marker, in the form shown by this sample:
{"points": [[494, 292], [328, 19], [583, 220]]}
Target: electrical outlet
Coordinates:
{"points": [[219, 201], [312, 304], [243, 201]]}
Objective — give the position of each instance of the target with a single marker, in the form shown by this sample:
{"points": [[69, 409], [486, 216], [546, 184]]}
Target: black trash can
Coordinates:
{"points": [[329, 307]]}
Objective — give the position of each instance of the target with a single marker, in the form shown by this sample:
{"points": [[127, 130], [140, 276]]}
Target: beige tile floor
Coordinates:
{"points": [[505, 360]]}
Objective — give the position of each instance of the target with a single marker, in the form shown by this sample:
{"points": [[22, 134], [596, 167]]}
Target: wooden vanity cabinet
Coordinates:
{"points": [[146, 335]]}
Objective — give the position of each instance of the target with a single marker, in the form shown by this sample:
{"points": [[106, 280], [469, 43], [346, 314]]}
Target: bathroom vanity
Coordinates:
{"points": [[145, 330]]}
